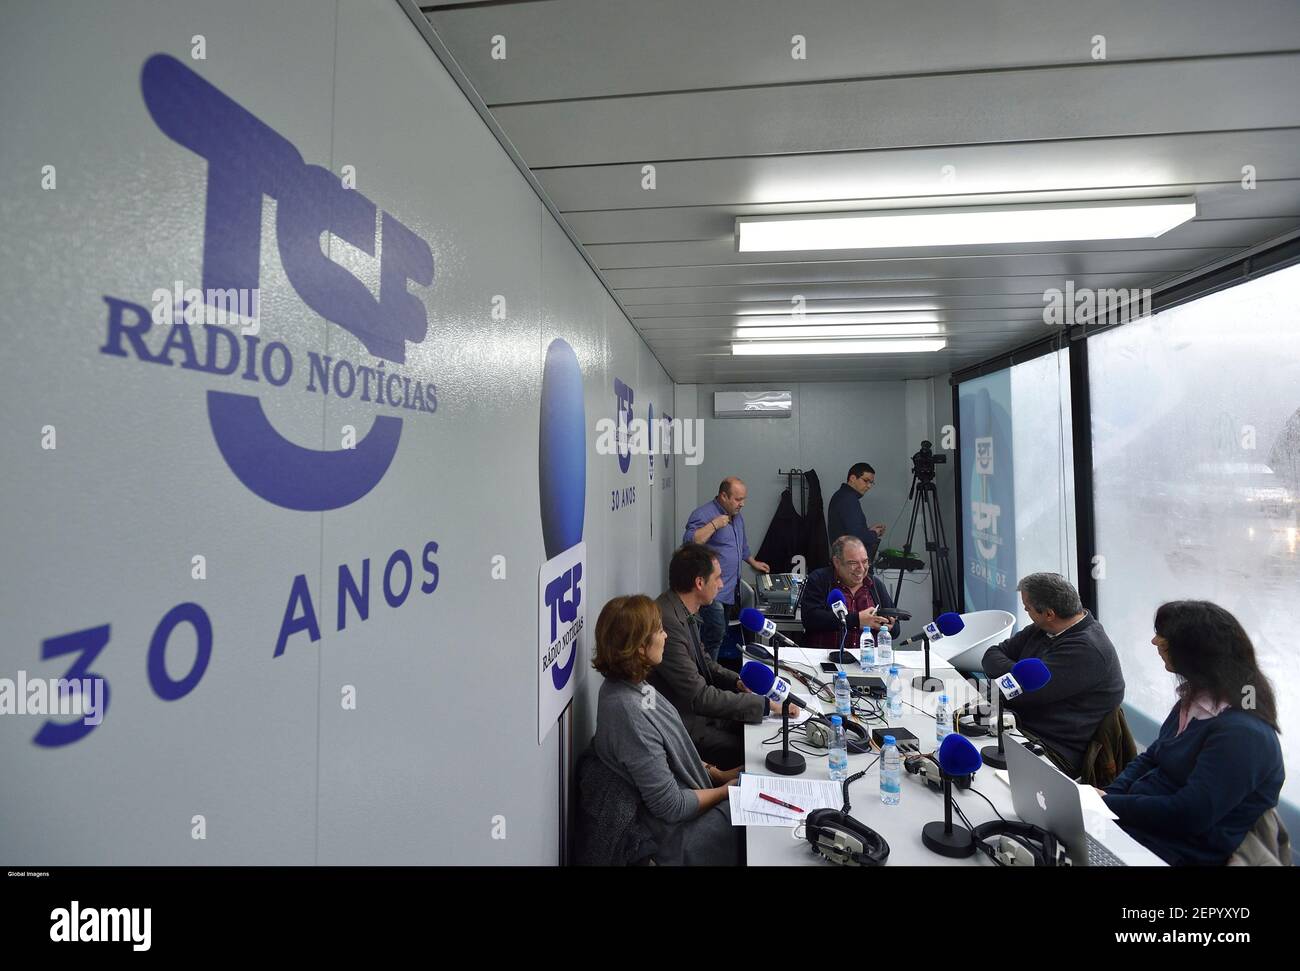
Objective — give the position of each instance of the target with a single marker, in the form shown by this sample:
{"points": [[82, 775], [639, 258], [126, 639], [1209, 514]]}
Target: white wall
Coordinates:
{"points": [[102, 529]]}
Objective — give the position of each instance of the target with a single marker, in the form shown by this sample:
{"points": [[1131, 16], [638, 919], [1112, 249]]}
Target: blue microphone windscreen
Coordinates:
{"points": [[836, 595], [757, 677], [1031, 673], [752, 620], [957, 756], [950, 624]]}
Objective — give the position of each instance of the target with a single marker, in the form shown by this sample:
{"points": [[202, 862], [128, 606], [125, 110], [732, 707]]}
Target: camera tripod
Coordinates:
{"points": [[925, 505]]}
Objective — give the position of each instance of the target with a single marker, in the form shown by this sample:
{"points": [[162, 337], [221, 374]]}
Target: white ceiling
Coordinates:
{"points": [[1005, 91]]}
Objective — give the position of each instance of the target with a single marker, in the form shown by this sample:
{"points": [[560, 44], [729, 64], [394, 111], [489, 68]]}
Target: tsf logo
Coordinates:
{"points": [[247, 161], [564, 596], [984, 519], [624, 396], [984, 456]]}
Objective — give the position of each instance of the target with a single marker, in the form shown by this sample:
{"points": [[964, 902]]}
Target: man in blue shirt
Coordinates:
{"points": [[719, 526], [844, 515]]}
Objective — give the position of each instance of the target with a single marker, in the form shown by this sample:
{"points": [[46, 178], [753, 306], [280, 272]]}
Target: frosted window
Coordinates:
{"points": [[1040, 427], [1196, 455]]}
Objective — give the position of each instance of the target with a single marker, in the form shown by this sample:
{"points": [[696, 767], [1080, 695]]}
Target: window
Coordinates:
{"points": [[1196, 467], [1017, 473]]}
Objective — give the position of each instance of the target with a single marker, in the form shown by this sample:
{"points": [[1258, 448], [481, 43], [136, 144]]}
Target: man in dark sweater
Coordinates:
{"points": [[844, 516], [1087, 683]]}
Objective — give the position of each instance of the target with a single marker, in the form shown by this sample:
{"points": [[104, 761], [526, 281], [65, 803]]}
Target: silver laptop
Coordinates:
{"points": [[1049, 799]]}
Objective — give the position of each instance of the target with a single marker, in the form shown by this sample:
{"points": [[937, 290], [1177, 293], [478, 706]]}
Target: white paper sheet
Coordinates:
{"points": [[747, 809]]}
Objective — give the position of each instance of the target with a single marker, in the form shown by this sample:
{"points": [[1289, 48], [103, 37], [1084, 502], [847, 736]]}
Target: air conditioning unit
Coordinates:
{"points": [[753, 404]]}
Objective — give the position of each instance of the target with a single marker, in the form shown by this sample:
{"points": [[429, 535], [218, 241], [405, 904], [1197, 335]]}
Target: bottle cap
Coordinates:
{"points": [[889, 740], [836, 720]]}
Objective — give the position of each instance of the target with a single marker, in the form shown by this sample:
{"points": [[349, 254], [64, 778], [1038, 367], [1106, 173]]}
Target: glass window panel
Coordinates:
{"points": [[1196, 458]]}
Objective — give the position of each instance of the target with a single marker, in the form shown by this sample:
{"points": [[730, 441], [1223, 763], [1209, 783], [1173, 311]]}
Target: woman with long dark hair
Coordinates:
{"points": [[1216, 766]]}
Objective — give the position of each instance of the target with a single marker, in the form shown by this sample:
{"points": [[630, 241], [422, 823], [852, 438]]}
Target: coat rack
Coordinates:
{"points": [[803, 487]]}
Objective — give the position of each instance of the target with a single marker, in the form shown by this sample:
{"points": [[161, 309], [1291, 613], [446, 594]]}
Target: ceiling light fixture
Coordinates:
{"points": [[825, 317], [839, 347], [837, 330], [964, 225]]}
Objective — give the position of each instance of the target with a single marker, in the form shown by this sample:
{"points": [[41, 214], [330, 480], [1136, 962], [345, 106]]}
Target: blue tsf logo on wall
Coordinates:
{"points": [[624, 396], [562, 487], [247, 160]]}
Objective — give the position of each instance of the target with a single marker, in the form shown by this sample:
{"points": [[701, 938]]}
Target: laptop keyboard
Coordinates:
{"points": [[1098, 855]]}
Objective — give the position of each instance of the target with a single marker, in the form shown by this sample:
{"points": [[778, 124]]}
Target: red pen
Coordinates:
{"points": [[764, 795]]}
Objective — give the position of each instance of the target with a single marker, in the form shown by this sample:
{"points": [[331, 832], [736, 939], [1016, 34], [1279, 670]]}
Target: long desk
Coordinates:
{"points": [[900, 825]]}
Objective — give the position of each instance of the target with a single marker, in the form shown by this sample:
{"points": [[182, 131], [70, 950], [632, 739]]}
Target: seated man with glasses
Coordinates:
{"points": [[864, 594]]}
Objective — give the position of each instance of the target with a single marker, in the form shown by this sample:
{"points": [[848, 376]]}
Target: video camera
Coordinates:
{"points": [[924, 461]]}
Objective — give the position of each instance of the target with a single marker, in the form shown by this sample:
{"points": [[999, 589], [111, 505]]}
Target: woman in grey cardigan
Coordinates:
{"points": [[640, 736]]}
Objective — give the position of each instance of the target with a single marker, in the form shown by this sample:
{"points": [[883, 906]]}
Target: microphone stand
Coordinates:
{"points": [[784, 762], [839, 657], [995, 756], [945, 838], [926, 682]]}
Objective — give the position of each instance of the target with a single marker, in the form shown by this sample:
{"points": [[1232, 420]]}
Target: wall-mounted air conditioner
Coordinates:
{"points": [[753, 404]]}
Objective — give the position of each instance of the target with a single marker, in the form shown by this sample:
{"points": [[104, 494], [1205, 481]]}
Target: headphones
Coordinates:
{"points": [[855, 735], [839, 838], [1012, 843]]}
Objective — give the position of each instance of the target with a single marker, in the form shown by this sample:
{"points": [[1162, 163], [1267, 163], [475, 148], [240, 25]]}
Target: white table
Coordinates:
{"points": [[900, 825]]}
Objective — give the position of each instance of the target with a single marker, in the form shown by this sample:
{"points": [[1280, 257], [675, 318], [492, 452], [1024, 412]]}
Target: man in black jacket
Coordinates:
{"points": [[1087, 683], [713, 703], [864, 594], [844, 516]]}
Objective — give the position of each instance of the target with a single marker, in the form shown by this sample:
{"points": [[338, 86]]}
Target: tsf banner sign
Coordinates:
{"points": [[561, 625], [562, 487]]}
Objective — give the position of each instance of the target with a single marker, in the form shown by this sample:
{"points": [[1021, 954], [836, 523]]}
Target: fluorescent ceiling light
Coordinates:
{"points": [[964, 226], [837, 330], [786, 320], [840, 347], [863, 309]]}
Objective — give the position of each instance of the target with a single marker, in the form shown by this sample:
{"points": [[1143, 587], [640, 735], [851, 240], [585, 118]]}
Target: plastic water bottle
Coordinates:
{"points": [[942, 720], [843, 695], [867, 650], [891, 773], [839, 757], [884, 648], [895, 694]]}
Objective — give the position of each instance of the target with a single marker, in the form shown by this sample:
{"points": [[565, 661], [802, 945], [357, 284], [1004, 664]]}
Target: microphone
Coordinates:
{"points": [[945, 625], [1027, 674], [754, 622], [761, 680], [838, 607], [957, 757], [758, 678]]}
